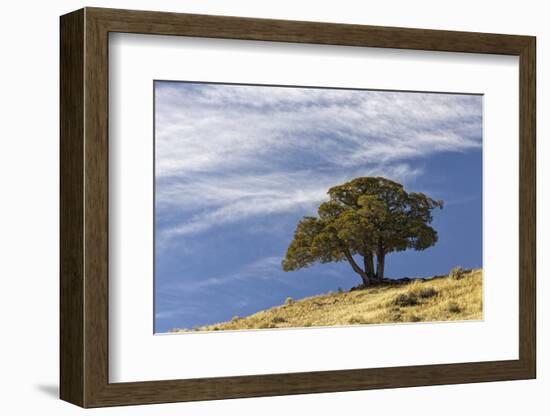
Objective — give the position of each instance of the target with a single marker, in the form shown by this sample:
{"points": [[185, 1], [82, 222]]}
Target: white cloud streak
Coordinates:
{"points": [[234, 197], [227, 152], [266, 268]]}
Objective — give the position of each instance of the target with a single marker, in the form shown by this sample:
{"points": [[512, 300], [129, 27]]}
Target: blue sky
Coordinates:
{"points": [[237, 166]]}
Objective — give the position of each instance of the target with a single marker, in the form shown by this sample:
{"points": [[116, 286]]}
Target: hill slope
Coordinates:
{"points": [[442, 298]]}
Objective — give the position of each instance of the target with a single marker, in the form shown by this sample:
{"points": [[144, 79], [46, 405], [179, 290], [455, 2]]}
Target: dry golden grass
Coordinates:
{"points": [[438, 299]]}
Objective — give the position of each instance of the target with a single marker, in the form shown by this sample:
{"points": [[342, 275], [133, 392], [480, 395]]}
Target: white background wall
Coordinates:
{"points": [[29, 206]]}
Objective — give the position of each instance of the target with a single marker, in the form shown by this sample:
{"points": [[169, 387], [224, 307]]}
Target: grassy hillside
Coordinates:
{"points": [[441, 298]]}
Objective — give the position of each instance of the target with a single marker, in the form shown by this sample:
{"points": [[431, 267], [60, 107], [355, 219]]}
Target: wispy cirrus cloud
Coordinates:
{"points": [[225, 153], [264, 268], [235, 197]]}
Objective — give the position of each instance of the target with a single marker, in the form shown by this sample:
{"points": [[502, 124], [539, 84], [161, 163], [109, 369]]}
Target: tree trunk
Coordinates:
{"points": [[364, 277], [380, 260], [369, 265]]}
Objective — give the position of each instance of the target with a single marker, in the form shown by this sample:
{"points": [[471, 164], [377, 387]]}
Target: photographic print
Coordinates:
{"points": [[294, 207]]}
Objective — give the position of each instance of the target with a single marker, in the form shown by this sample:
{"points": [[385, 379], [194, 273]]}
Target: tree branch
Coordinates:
{"points": [[364, 276]]}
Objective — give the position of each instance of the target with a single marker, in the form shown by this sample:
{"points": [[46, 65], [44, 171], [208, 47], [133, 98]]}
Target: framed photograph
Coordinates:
{"points": [[254, 207]]}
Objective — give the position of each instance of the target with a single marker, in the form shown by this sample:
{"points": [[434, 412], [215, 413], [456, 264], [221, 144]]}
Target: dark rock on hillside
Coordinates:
{"points": [[396, 282]]}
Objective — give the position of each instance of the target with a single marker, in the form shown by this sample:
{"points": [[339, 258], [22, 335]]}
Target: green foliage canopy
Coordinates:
{"points": [[368, 216]]}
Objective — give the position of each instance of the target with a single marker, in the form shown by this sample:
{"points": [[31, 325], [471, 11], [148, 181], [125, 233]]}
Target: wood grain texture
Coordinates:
{"points": [[84, 207], [162, 23], [527, 208], [96, 209], [71, 208]]}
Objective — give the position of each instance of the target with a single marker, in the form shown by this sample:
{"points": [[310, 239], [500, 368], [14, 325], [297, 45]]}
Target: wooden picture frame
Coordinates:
{"points": [[84, 207]]}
